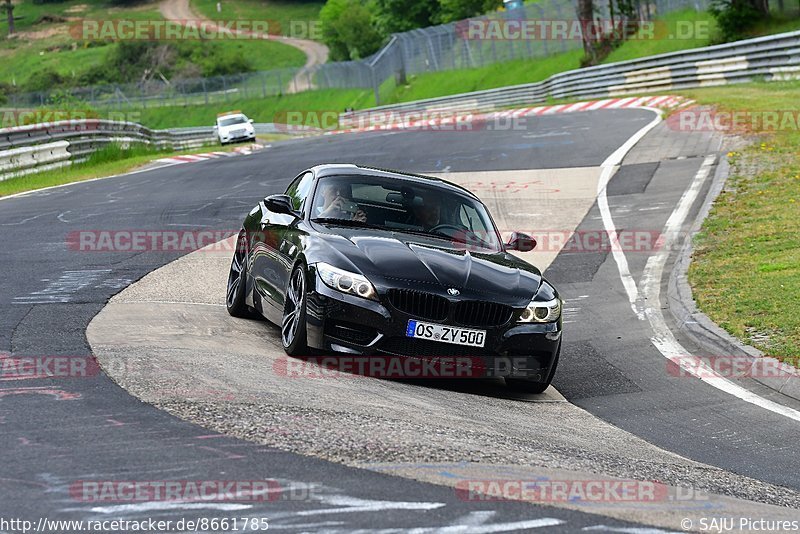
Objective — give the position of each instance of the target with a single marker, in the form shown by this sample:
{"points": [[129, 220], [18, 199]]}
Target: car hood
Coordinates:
{"points": [[400, 260]]}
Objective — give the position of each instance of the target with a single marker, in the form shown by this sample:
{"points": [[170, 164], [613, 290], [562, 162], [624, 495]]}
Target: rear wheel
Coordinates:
{"points": [[293, 325], [534, 386], [237, 281]]}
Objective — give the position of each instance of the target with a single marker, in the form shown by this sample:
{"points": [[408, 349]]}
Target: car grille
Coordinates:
{"points": [[238, 133], [419, 304], [477, 313], [437, 308], [407, 346]]}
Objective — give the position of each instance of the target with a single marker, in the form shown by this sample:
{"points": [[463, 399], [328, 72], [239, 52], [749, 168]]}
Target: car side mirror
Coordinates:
{"points": [[251, 121], [281, 204], [521, 242]]}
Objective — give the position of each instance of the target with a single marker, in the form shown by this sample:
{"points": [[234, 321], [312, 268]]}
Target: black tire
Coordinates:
{"points": [[237, 282], [293, 324], [533, 386]]}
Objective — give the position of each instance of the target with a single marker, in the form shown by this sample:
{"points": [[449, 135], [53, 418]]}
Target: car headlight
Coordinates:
{"points": [[346, 282], [541, 312]]}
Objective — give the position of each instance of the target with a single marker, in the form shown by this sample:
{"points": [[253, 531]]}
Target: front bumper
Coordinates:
{"points": [[230, 138], [349, 325]]}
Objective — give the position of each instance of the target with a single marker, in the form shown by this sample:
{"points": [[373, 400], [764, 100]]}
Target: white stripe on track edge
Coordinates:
{"points": [[608, 169], [663, 339], [622, 102]]}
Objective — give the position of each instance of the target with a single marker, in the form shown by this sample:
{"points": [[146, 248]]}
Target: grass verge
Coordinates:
{"points": [[43, 45], [745, 271], [298, 18], [435, 84], [260, 109]]}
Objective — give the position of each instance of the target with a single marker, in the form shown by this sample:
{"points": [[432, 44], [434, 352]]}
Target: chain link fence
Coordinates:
{"points": [[434, 49]]}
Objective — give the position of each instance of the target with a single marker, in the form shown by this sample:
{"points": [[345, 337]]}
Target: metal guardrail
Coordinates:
{"points": [[44, 146], [30, 159], [774, 57], [37, 147]]}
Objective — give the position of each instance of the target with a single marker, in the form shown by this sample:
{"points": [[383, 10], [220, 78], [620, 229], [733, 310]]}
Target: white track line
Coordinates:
{"points": [[609, 167], [663, 339]]}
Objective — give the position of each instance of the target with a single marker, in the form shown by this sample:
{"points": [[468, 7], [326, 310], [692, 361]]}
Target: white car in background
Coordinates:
{"points": [[234, 126]]}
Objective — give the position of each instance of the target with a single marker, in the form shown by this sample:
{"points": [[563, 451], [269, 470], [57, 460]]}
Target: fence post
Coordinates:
{"points": [[376, 86]]}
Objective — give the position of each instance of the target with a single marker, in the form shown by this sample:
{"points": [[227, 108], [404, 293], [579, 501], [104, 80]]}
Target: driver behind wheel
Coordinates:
{"points": [[428, 213], [338, 204]]}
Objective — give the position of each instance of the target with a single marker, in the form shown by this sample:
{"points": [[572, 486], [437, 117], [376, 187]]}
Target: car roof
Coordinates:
{"points": [[230, 115], [329, 169]]}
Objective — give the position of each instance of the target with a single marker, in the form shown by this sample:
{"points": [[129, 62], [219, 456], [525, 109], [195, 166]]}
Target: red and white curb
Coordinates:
{"points": [[394, 120], [193, 158]]}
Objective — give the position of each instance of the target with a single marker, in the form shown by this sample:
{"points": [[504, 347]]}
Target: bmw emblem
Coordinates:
{"points": [[454, 292]]}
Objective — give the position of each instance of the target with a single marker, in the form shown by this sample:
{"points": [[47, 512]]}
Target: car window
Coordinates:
{"points": [[299, 189], [471, 219], [369, 192], [230, 121], [410, 206]]}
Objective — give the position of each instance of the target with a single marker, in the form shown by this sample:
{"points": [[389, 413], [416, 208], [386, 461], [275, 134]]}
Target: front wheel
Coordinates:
{"points": [[293, 325], [237, 280]]}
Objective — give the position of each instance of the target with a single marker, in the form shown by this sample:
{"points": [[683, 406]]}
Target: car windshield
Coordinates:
{"points": [[230, 121], [399, 205]]}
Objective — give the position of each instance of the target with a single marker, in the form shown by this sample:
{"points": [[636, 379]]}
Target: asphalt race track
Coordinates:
{"points": [[62, 430]]}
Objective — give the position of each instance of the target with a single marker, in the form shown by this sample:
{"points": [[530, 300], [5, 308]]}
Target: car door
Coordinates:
{"points": [[279, 246]]}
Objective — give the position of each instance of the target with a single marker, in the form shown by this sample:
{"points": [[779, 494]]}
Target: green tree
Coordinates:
{"points": [[394, 16], [735, 17], [453, 10], [44, 80], [349, 30]]}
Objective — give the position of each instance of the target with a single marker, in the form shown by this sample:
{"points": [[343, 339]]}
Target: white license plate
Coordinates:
{"points": [[446, 334]]}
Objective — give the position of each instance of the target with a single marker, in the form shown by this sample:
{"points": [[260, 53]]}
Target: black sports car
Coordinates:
{"points": [[367, 262]]}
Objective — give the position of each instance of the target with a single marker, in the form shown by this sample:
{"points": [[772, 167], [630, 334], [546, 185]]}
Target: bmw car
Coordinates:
{"points": [[360, 261]]}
